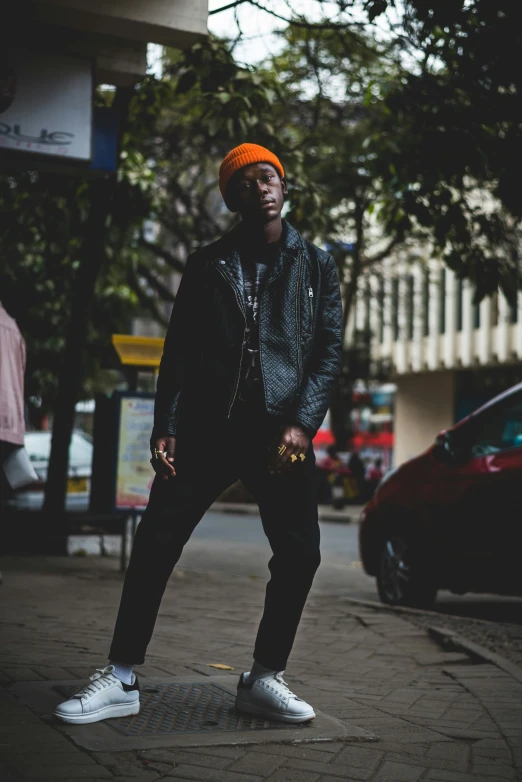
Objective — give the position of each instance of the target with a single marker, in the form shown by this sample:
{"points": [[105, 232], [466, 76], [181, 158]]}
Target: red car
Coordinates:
{"points": [[451, 518]]}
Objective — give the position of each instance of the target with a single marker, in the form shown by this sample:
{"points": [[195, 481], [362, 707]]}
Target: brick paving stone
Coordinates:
{"points": [[164, 756], [177, 777], [293, 775], [360, 757], [20, 674], [437, 775], [261, 763], [391, 771], [329, 778], [51, 672], [41, 760], [332, 769], [210, 775], [233, 753], [65, 772], [495, 770], [303, 751], [128, 764]]}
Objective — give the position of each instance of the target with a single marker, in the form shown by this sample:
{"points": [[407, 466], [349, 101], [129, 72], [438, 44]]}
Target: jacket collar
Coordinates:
{"points": [[228, 258]]}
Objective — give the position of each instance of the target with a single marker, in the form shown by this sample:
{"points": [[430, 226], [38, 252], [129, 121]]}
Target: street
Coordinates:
{"points": [[235, 544]]}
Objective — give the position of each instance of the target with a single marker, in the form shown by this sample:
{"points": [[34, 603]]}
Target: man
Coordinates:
{"points": [[251, 356]]}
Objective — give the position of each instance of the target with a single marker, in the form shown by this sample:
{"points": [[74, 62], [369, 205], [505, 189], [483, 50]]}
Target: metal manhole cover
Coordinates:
{"points": [[181, 708]]}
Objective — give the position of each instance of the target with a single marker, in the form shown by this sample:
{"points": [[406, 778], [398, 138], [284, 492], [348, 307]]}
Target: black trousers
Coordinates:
{"points": [[210, 458]]}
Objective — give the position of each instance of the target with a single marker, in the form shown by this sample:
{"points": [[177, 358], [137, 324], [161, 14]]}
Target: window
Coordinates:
{"points": [[514, 309], [367, 305], [442, 302], [497, 429], [494, 309], [476, 313], [426, 302], [395, 308], [411, 305], [460, 298], [381, 309]]}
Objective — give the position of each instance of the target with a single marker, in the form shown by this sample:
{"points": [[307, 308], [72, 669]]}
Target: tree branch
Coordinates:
{"points": [[160, 252], [161, 289], [228, 7], [381, 255], [146, 301]]}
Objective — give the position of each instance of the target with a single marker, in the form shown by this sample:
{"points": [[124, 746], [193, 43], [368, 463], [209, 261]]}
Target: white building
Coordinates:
{"points": [[447, 355]]}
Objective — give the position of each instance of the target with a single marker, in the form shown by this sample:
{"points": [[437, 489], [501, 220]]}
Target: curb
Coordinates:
{"points": [[447, 637]]}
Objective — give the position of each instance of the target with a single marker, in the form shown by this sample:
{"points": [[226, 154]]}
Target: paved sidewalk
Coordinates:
{"points": [[429, 714]]}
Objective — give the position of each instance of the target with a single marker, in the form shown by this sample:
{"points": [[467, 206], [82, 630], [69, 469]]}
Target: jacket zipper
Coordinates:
{"points": [[298, 330], [310, 297], [233, 398]]}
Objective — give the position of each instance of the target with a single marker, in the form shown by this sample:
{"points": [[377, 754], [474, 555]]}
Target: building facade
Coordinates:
{"points": [[446, 354]]}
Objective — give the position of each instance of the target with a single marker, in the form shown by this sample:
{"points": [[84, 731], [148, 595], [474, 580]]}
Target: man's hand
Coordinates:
{"points": [[296, 442], [163, 465]]}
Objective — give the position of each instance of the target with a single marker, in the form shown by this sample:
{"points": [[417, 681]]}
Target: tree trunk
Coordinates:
{"points": [[71, 374]]}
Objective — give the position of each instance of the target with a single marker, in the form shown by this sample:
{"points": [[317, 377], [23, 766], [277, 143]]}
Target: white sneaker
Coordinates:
{"points": [[105, 697], [270, 697]]}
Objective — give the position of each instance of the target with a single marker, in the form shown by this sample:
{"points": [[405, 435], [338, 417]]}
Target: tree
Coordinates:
{"points": [[453, 128], [446, 149]]}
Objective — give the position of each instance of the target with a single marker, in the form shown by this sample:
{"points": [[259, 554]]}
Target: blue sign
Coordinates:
{"points": [[104, 140]]}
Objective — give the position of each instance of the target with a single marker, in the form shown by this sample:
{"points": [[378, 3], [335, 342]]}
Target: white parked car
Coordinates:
{"points": [[38, 446]]}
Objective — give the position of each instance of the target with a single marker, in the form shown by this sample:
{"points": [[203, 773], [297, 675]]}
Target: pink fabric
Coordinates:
{"points": [[12, 368]]}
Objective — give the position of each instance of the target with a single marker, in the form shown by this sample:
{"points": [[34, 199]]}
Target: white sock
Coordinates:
{"points": [[123, 672], [258, 671]]}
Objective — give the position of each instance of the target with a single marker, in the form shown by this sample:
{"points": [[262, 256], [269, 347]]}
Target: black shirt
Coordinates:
{"points": [[255, 266]]}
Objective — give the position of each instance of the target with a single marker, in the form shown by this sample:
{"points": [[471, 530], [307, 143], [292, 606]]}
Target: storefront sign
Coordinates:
{"points": [[134, 474], [49, 107]]}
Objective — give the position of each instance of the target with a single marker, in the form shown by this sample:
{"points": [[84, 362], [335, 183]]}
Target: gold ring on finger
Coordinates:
{"points": [[293, 458], [302, 457], [281, 450]]}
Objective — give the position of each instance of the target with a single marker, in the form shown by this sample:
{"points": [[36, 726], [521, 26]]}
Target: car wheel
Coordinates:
{"points": [[403, 577]]}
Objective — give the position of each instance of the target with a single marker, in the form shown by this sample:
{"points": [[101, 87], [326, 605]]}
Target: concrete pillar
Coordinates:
{"points": [[449, 336], [467, 325], [424, 405]]}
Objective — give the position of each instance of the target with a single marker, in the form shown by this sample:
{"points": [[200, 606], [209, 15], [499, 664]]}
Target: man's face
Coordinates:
{"points": [[257, 192]]}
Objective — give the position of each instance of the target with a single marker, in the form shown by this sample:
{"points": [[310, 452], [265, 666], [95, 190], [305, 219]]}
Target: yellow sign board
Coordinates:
{"points": [[138, 351]]}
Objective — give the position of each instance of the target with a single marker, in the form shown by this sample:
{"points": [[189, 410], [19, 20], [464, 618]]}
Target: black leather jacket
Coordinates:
{"points": [[300, 335]]}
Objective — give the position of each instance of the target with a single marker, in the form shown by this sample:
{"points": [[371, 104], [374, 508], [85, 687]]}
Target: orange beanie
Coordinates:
{"points": [[245, 155]]}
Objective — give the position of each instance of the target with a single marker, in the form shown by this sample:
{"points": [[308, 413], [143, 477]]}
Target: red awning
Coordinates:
{"points": [[324, 437]]}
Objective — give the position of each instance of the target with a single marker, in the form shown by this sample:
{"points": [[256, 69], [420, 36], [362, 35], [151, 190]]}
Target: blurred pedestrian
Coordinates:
{"points": [[251, 356], [374, 477], [12, 423], [358, 470], [337, 477]]}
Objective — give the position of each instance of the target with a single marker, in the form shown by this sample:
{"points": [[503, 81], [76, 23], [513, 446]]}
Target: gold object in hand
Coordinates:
{"points": [[302, 457], [293, 458], [281, 450]]}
